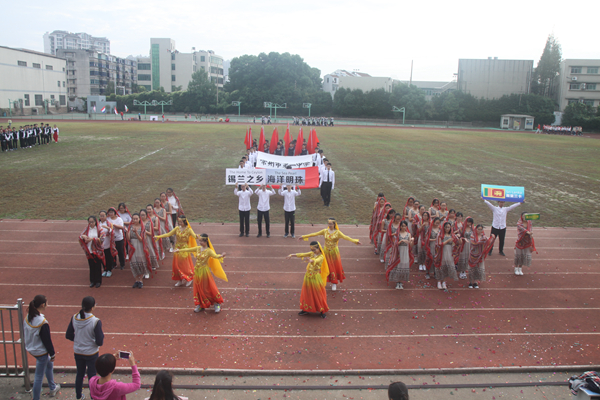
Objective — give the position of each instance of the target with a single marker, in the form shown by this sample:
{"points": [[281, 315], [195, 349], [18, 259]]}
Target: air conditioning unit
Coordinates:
{"points": [[574, 78]]}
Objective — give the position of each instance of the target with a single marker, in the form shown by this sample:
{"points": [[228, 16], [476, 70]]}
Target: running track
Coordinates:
{"points": [[548, 317]]}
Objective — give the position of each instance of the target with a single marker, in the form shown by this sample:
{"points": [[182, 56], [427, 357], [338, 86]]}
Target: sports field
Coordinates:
{"points": [[99, 164]]}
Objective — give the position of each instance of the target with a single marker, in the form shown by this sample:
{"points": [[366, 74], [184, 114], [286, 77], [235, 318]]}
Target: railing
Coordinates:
{"points": [[9, 342]]}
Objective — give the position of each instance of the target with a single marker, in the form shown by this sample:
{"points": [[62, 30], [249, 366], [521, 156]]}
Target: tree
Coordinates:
{"points": [[201, 94], [110, 88], [547, 69]]}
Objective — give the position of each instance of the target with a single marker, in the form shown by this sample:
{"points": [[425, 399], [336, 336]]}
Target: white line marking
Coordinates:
{"points": [[349, 336], [296, 289], [142, 157]]}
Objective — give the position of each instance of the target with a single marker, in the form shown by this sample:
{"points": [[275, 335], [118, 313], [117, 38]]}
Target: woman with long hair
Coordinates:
{"points": [[120, 230], [139, 257], [480, 247], [385, 223], [430, 247], [390, 239], [151, 246], [38, 342], [434, 209], [445, 263], [332, 235], [85, 331], [126, 216], [523, 245], [381, 218], [163, 387], [91, 240], [162, 227], [313, 297], [412, 210], [183, 267], [168, 209], [422, 232], [465, 248], [443, 212], [108, 244], [401, 257], [205, 290], [414, 231], [376, 210], [410, 202]]}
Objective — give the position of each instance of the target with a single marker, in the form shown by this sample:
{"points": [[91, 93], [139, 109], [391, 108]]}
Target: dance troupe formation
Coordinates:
{"points": [[443, 243]]}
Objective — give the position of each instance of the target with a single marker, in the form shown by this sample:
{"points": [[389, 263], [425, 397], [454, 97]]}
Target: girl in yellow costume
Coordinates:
{"points": [[332, 236], [205, 289], [183, 268], [313, 297]]}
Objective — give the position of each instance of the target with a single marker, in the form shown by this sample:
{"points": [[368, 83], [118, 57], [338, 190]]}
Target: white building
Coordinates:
{"points": [[74, 41], [169, 68], [494, 78], [578, 81], [31, 82], [355, 80]]}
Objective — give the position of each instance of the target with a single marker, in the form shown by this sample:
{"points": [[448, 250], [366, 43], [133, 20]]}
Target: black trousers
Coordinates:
{"points": [[95, 269], [84, 363], [500, 234], [120, 244], [245, 222], [326, 192], [38, 136], [259, 218], [15, 143], [290, 219], [109, 261], [174, 219]]}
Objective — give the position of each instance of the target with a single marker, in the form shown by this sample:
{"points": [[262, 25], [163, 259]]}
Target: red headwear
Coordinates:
{"points": [[395, 258], [374, 216], [480, 247], [523, 239], [377, 227], [141, 239], [96, 243], [404, 213]]}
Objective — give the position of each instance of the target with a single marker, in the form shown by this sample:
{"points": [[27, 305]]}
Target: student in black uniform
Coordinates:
{"points": [[15, 137]]}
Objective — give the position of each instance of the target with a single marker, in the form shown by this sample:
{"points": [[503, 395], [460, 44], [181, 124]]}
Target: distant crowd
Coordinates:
{"points": [[27, 136], [561, 130], [304, 121]]}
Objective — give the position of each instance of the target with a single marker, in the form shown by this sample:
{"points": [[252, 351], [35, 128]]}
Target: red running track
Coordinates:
{"points": [[548, 317]]}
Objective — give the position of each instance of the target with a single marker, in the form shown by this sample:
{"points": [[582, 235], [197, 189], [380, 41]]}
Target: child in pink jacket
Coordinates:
{"points": [[106, 388]]}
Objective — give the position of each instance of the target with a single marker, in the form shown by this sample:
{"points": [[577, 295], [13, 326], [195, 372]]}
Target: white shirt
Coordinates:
{"points": [[328, 176], [500, 214], [106, 232], [289, 199], [264, 199], [174, 205], [118, 232], [244, 195], [92, 234]]}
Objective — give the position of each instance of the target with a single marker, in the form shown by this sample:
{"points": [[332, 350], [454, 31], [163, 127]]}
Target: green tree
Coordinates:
{"points": [[201, 94], [547, 69], [110, 88]]}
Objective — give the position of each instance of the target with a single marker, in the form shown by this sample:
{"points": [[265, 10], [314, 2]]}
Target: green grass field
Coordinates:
{"points": [[97, 165]]}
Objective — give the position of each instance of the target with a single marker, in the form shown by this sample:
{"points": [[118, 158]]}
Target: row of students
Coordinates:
{"points": [[443, 243], [27, 136], [316, 121]]}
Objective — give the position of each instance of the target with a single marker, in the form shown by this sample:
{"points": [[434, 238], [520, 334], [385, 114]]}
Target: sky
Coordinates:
{"points": [[377, 37]]}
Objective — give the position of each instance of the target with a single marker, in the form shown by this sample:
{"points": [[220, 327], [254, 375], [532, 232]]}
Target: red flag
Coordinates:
{"points": [[286, 140], [261, 140], [250, 140], [315, 138], [309, 143], [299, 143], [246, 139], [274, 140]]}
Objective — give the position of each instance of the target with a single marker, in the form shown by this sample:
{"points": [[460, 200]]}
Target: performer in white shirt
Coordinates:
{"points": [[244, 194], [499, 222], [264, 205], [289, 206], [175, 205], [326, 184]]}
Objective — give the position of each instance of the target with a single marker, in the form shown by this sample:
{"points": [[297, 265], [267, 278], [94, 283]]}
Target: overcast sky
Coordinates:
{"points": [[377, 37]]}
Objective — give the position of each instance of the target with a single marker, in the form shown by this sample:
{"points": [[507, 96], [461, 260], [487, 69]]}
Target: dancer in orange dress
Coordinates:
{"points": [[332, 236], [205, 289], [313, 298], [183, 268]]}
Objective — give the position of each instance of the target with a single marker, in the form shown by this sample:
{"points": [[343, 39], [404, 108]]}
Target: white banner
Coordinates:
{"points": [[266, 160], [237, 176], [286, 177]]}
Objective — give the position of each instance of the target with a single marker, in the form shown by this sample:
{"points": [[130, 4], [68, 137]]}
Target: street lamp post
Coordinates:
{"points": [[238, 104], [275, 106], [9, 108], [307, 105]]}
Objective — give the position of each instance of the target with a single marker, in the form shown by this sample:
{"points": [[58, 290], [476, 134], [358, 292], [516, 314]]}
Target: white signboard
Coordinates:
{"points": [[266, 160], [237, 176], [286, 177]]}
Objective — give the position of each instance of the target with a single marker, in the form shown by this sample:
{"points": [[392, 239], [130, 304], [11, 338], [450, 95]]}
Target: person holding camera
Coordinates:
{"points": [[85, 331], [103, 387]]}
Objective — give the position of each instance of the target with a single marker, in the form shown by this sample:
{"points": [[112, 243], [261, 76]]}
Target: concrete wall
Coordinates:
{"points": [[572, 85], [184, 68], [493, 78], [16, 81]]}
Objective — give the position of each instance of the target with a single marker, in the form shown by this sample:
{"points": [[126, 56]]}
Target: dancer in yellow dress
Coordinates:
{"points": [[313, 297], [183, 268], [332, 235], [205, 289]]}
